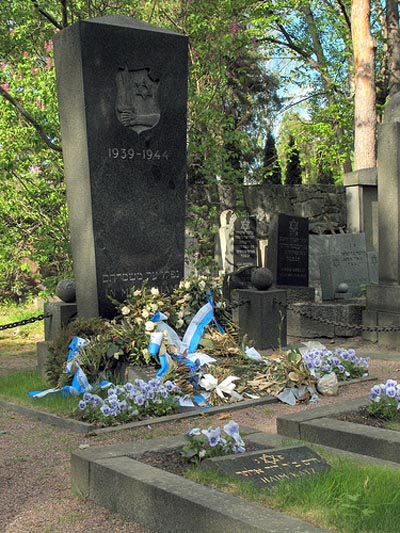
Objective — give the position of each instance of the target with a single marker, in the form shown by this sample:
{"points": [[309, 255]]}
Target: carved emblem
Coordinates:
{"points": [[137, 103]]}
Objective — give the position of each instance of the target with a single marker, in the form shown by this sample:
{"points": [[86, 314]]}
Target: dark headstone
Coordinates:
{"points": [[122, 88], [267, 468], [288, 250], [245, 242]]}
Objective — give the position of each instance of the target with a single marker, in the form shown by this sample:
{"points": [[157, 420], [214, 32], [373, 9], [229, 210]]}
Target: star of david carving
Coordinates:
{"points": [[142, 89]]}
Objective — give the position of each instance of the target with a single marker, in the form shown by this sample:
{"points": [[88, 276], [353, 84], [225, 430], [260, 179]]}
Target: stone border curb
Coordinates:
{"points": [[90, 429], [114, 478], [320, 426]]}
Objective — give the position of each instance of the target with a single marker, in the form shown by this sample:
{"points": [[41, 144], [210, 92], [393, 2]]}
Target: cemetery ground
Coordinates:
{"points": [[35, 475]]}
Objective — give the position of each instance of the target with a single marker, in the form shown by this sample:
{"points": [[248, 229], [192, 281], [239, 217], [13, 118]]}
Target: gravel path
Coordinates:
{"points": [[35, 482]]}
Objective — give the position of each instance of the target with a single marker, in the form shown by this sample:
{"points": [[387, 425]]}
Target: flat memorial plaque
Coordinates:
{"points": [[266, 468]]}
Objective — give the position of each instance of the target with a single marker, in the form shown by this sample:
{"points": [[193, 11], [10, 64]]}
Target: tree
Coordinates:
{"points": [[272, 169], [364, 86], [293, 167]]}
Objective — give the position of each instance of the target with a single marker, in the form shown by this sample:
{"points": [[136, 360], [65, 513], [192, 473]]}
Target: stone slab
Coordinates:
{"points": [[350, 268], [245, 242], [42, 354], [267, 468], [122, 89], [320, 245], [365, 176], [288, 250]]}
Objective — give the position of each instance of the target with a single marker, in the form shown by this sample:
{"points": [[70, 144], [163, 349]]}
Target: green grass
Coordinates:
{"points": [[14, 388], [350, 498]]}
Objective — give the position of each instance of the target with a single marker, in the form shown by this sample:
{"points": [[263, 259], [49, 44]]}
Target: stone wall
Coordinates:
{"points": [[323, 205]]}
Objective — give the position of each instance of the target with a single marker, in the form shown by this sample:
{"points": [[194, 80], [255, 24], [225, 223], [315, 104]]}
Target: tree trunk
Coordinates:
{"points": [[364, 86], [392, 26]]}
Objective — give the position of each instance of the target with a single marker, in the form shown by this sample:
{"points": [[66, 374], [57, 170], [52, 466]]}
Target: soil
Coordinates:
{"points": [[362, 416], [173, 461]]}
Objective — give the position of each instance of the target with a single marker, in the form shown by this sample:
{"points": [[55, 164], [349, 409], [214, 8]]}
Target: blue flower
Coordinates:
{"points": [[129, 387], [110, 391], [194, 432], [105, 410], [169, 386], [139, 399], [391, 383], [214, 436], [390, 392], [231, 428], [82, 404], [87, 396], [239, 449]]}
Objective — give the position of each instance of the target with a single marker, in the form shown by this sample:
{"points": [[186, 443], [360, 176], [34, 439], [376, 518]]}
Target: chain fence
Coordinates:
{"points": [[25, 321], [288, 307], [311, 316]]}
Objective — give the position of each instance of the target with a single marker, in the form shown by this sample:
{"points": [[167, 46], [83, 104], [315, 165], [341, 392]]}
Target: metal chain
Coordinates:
{"points": [[26, 321], [236, 305], [305, 314]]}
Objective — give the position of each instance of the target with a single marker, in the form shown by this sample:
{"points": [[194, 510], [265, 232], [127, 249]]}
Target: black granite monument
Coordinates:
{"points": [[122, 88], [288, 250]]}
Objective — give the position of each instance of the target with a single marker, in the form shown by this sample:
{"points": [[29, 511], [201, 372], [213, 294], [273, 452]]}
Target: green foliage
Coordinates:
{"points": [[293, 167], [58, 349], [272, 169]]}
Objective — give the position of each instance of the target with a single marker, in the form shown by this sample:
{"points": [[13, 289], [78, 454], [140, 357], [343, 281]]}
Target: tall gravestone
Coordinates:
{"points": [[122, 88], [245, 242], [383, 298], [288, 250]]}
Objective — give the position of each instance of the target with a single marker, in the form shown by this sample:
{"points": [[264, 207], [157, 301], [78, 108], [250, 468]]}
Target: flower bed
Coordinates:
{"points": [[192, 346]]}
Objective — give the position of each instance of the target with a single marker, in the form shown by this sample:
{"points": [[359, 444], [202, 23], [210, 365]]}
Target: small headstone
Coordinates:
{"points": [[320, 245], [351, 269], [288, 250], [226, 233], [269, 467]]}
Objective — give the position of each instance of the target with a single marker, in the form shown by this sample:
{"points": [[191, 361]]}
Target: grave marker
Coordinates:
{"points": [[288, 250], [350, 268], [122, 88], [245, 242], [268, 467]]}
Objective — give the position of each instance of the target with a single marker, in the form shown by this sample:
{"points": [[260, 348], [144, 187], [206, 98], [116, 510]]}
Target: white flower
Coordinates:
{"points": [[179, 314], [179, 323], [137, 292], [202, 285], [154, 308], [154, 291], [145, 351], [145, 313], [138, 320], [187, 285], [187, 298], [149, 325], [125, 310]]}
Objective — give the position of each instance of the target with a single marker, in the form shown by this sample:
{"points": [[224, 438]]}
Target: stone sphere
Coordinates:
{"points": [[66, 290], [262, 279], [342, 288]]}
